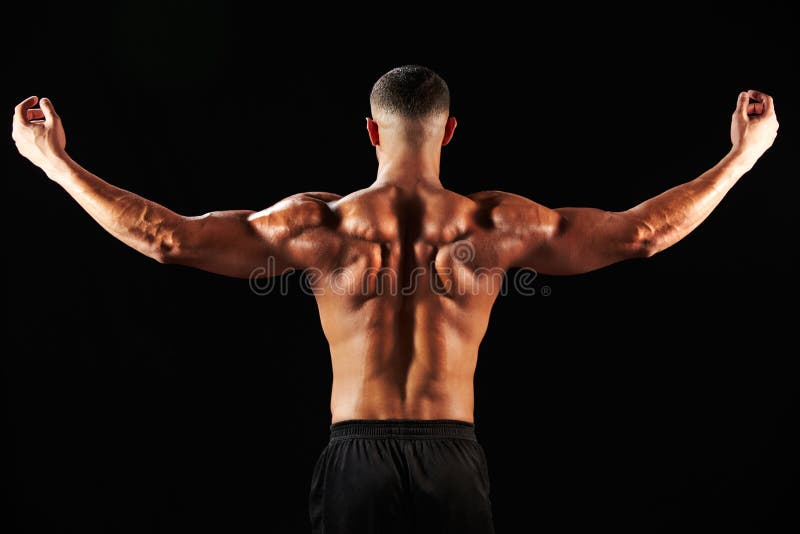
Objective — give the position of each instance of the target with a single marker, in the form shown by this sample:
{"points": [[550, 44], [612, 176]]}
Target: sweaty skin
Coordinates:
{"points": [[405, 271]]}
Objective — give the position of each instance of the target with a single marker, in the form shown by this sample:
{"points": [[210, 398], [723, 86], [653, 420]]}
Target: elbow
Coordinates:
{"points": [[166, 249], [162, 257], [645, 248], [643, 243], [168, 253], [158, 235]]}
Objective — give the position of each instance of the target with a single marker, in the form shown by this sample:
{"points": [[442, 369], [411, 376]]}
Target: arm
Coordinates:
{"points": [[232, 243], [576, 240]]}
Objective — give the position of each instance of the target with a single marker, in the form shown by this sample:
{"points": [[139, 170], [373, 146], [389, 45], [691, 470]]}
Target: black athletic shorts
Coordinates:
{"points": [[401, 476]]}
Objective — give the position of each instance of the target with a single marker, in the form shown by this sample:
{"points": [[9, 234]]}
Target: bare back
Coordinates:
{"points": [[405, 277], [404, 302]]}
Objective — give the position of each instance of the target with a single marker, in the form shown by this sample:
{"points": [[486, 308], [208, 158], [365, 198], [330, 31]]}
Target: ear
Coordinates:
{"points": [[449, 128], [372, 129]]}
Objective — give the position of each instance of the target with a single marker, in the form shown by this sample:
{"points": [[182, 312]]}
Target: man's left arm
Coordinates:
{"points": [[238, 243]]}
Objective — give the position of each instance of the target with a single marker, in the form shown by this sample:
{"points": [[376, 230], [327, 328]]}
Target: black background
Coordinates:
{"points": [[653, 395]]}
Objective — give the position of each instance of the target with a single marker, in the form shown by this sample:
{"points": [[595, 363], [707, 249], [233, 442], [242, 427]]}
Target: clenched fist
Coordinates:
{"points": [[754, 126], [38, 133]]}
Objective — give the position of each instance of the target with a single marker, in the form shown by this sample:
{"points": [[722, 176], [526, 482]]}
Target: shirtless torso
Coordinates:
{"points": [[405, 272], [405, 282]]}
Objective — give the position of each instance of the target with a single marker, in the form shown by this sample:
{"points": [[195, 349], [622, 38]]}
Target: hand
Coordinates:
{"points": [[38, 133], [754, 126]]}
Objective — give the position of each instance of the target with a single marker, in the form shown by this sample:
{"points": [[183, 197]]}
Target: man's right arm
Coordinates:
{"points": [[577, 240]]}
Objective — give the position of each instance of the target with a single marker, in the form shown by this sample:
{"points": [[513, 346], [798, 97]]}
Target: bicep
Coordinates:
{"points": [[294, 233], [222, 242], [568, 241]]}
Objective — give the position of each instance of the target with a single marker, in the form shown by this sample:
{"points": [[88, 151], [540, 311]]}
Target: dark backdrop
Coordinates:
{"points": [[652, 395]]}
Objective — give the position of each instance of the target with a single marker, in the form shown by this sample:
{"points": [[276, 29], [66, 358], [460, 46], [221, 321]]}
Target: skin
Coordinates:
{"points": [[407, 354]]}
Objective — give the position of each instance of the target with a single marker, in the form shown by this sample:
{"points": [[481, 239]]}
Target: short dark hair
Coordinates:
{"points": [[411, 91]]}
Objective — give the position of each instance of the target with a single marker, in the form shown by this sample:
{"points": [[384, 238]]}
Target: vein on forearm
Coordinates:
{"points": [[144, 225], [670, 216]]}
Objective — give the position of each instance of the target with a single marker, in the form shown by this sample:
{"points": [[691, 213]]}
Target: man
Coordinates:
{"points": [[405, 273]]}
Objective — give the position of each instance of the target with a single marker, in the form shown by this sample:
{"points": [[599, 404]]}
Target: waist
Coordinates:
{"points": [[403, 429], [416, 398]]}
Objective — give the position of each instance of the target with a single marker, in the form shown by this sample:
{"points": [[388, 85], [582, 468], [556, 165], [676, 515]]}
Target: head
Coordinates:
{"points": [[410, 110]]}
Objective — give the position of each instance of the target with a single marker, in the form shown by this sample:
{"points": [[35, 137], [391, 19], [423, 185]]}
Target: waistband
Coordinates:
{"points": [[403, 429]]}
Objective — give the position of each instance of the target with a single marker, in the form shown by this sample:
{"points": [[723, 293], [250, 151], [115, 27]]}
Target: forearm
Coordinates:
{"points": [[667, 218], [141, 224]]}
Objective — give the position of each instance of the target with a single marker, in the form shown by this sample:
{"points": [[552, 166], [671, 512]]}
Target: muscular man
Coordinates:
{"points": [[404, 275]]}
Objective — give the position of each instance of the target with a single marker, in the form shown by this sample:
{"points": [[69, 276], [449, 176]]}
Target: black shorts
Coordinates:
{"points": [[387, 476]]}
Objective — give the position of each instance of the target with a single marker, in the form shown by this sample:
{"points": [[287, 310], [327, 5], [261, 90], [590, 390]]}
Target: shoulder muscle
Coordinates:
{"points": [[512, 214], [301, 229], [295, 214]]}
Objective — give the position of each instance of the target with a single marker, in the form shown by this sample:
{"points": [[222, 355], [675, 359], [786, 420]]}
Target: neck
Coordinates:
{"points": [[409, 167]]}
